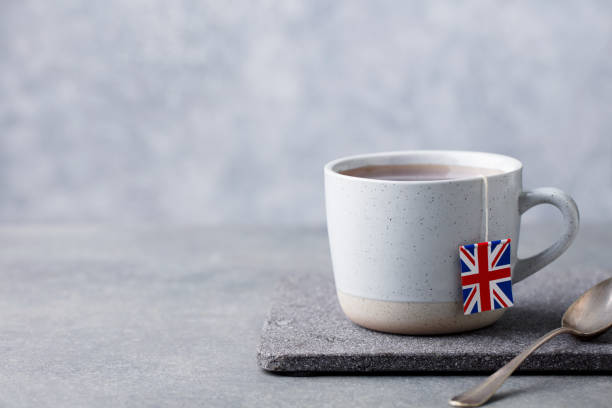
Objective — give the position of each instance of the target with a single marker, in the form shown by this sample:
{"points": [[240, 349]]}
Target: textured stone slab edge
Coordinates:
{"points": [[312, 365]]}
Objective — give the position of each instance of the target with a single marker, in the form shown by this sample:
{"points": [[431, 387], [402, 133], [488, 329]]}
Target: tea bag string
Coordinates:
{"points": [[485, 206]]}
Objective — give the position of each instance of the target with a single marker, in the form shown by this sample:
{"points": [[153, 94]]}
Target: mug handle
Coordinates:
{"points": [[571, 218]]}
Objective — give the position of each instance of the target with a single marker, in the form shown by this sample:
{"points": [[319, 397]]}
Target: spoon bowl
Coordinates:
{"points": [[591, 313]]}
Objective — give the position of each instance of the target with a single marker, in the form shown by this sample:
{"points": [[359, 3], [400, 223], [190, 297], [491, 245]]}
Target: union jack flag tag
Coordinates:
{"points": [[486, 280]]}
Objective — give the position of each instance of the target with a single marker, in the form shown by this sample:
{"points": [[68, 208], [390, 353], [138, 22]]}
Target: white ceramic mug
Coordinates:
{"points": [[394, 244]]}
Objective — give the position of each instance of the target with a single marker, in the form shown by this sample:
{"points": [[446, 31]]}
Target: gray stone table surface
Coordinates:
{"points": [[166, 316]]}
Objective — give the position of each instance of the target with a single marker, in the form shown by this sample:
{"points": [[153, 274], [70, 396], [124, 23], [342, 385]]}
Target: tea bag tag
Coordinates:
{"points": [[486, 279]]}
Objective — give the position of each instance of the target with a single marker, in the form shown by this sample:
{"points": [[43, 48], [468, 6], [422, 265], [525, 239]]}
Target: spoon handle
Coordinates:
{"points": [[481, 393]]}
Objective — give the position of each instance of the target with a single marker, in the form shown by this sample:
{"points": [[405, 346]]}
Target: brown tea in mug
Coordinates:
{"points": [[418, 172]]}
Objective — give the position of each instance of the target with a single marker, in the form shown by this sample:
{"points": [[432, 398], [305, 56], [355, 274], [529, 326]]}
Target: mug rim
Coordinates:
{"points": [[510, 165]]}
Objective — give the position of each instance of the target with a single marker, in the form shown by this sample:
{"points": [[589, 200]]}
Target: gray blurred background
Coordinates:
{"points": [[226, 111]]}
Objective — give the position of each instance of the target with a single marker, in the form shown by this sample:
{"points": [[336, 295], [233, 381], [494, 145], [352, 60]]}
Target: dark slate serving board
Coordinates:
{"points": [[307, 333]]}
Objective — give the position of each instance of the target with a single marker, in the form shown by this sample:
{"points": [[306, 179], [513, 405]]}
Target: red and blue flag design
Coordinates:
{"points": [[486, 280]]}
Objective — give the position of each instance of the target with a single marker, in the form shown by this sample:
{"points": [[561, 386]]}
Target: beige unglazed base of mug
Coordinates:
{"points": [[413, 317]]}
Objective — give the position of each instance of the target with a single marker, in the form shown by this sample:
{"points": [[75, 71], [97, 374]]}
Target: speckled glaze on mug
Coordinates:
{"points": [[394, 244]]}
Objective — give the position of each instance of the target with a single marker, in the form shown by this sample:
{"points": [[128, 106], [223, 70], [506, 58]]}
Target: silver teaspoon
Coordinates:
{"points": [[589, 315]]}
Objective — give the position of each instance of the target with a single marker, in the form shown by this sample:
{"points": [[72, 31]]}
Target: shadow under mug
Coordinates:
{"points": [[394, 244]]}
